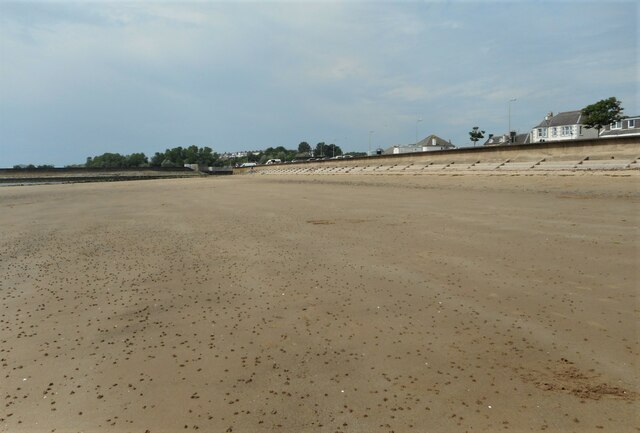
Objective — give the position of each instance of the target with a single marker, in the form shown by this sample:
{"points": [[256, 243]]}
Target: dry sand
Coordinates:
{"points": [[321, 304]]}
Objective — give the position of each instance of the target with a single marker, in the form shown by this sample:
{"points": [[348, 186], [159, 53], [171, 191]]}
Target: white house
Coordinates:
{"points": [[563, 126]]}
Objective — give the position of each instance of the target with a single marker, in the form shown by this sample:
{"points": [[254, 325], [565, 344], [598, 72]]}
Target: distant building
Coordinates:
{"points": [[197, 167], [430, 143], [507, 139], [626, 127], [563, 126], [240, 154]]}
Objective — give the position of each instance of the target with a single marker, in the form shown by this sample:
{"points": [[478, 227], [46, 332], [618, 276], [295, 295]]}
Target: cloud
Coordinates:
{"points": [[80, 79], [409, 93]]}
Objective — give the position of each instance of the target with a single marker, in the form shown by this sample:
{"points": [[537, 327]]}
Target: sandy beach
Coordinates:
{"points": [[256, 303]]}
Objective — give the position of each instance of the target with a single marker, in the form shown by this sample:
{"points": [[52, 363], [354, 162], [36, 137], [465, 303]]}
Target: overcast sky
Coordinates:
{"points": [[82, 79]]}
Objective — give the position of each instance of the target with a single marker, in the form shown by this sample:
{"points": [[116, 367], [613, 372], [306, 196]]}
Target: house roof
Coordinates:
{"points": [[619, 132], [406, 147], [428, 141], [503, 139], [561, 119], [625, 130], [425, 142]]}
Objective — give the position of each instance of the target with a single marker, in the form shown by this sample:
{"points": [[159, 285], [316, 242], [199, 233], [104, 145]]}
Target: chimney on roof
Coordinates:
{"points": [[549, 115]]}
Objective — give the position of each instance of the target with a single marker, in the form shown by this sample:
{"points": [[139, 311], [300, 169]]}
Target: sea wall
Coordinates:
{"points": [[81, 174], [598, 154]]}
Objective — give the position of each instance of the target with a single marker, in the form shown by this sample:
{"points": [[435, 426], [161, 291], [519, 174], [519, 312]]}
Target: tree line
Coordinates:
{"points": [[179, 156]]}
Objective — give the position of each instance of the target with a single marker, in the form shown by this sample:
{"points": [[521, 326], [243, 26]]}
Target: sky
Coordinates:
{"points": [[79, 79]]}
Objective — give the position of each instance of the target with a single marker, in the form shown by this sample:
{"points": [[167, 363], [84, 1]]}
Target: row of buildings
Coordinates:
{"points": [[561, 126]]}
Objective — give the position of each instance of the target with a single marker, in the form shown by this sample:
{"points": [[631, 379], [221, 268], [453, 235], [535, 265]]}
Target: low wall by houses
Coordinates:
{"points": [[618, 153]]}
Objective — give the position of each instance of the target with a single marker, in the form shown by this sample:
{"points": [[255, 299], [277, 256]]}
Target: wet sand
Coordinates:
{"points": [[321, 304]]}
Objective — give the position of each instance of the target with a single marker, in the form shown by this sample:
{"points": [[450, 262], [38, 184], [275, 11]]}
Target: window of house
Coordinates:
{"points": [[616, 125], [542, 132], [554, 131], [566, 130], [632, 123]]}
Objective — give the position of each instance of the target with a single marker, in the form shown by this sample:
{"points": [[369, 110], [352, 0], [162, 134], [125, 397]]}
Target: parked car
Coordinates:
{"points": [[248, 164], [274, 161]]}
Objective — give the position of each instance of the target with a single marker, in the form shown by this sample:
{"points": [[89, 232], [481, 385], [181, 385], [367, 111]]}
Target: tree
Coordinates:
{"points": [[115, 160], [206, 156], [304, 147], [156, 160], [175, 156], [475, 134], [320, 150], [33, 167], [137, 160], [178, 156], [107, 160], [602, 113], [332, 150], [190, 155]]}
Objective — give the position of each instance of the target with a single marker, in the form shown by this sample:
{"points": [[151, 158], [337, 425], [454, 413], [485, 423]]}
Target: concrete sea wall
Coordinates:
{"points": [[78, 174], [620, 153]]}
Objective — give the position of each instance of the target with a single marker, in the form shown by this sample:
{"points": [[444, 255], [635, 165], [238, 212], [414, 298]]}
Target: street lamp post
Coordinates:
{"points": [[417, 121], [370, 132], [510, 101]]}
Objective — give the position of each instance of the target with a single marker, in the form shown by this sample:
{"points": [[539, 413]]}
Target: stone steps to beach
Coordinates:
{"points": [[370, 168], [415, 168], [518, 165], [400, 168], [437, 166], [557, 165], [483, 166], [625, 163], [606, 164]]}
